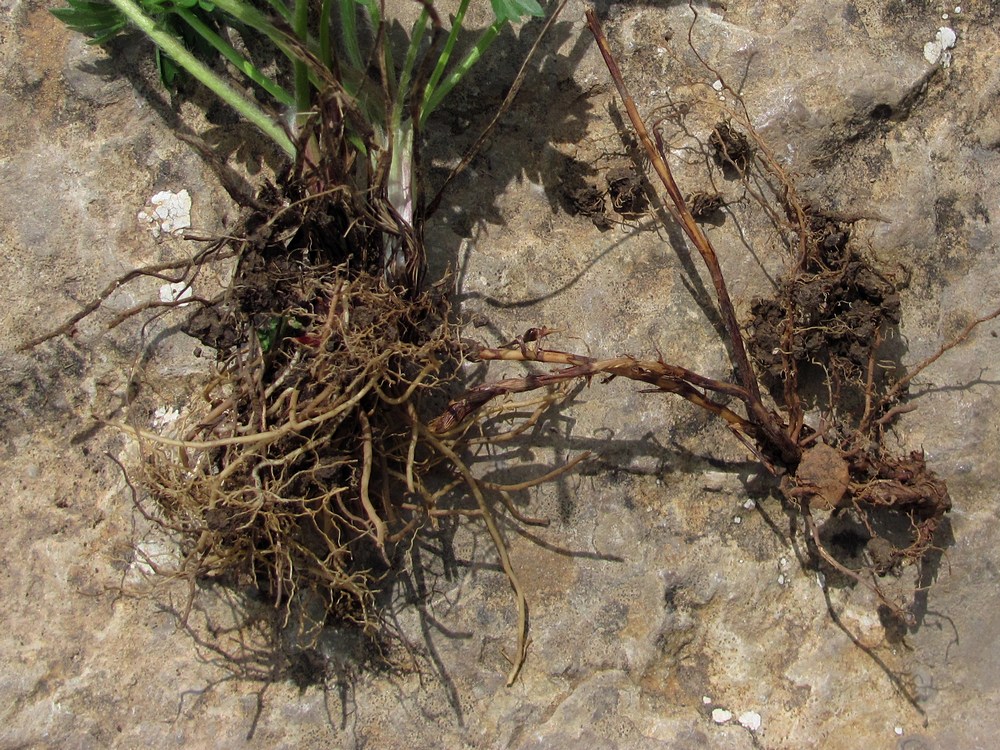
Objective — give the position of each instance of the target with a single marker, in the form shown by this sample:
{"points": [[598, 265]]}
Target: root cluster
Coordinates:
{"points": [[325, 439], [308, 466]]}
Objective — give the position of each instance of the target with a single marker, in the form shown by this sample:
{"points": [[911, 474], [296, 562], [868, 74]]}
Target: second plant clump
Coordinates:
{"points": [[819, 346]]}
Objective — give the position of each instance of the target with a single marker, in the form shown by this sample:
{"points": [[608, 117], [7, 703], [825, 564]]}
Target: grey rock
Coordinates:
{"points": [[645, 598]]}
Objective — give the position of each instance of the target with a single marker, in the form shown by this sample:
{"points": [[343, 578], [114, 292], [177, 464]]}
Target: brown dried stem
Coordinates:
{"points": [[213, 253], [663, 376], [769, 426]]}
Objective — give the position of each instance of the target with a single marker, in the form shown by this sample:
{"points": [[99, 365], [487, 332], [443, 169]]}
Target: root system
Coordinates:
{"points": [[825, 326], [313, 459]]}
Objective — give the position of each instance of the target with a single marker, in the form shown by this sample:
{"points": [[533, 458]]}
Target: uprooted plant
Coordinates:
{"points": [[830, 315], [310, 467], [313, 462]]}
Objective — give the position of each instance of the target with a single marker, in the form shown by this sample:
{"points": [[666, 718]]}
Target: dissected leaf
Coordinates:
{"points": [[514, 10], [99, 21], [168, 70], [268, 335]]}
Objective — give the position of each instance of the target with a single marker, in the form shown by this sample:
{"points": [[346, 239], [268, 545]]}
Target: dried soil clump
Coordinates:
{"points": [[840, 306], [731, 149]]}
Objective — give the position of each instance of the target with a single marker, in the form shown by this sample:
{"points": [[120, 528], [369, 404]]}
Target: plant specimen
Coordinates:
{"points": [[307, 467], [314, 460], [830, 313]]}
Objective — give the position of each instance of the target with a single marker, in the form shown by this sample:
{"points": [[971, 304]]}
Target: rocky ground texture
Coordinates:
{"points": [[669, 603]]}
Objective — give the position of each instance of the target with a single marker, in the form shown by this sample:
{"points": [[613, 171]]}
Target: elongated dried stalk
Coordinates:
{"points": [[771, 429]]}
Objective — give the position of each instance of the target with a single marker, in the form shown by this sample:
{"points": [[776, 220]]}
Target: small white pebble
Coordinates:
{"points": [[750, 720], [706, 699], [750, 504], [737, 520], [958, 8], [721, 715], [717, 85], [714, 481], [781, 580], [944, 16], [782, 562]]}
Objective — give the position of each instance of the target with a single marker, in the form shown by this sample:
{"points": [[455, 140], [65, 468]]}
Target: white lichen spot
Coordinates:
{"points": [[937, 50], [175, 292], [706, 699], [721, 715], [750, 720], [737, 520], [167, 213], [781, 579], [899, 730], [164, 416], [151, 555], [718, 86]]}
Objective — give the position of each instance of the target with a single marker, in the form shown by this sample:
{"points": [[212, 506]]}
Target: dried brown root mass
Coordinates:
{"points": [[305, 468], [831, 315]]}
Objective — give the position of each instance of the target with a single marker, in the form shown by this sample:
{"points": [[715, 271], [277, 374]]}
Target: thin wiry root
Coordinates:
{"points": [[312, 467], [501, 547]]}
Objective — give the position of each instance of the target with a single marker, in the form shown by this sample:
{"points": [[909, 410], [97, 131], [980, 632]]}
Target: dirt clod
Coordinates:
{"points": [[731, 150], [825, 472], [628, 197], [842, 306]]}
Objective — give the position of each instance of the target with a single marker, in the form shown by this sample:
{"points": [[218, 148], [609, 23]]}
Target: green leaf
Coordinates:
{"points": [[514, 10], [167, 68], [157, 8], [108, 35], [349, 32], [97, 20], [269, 334]]}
